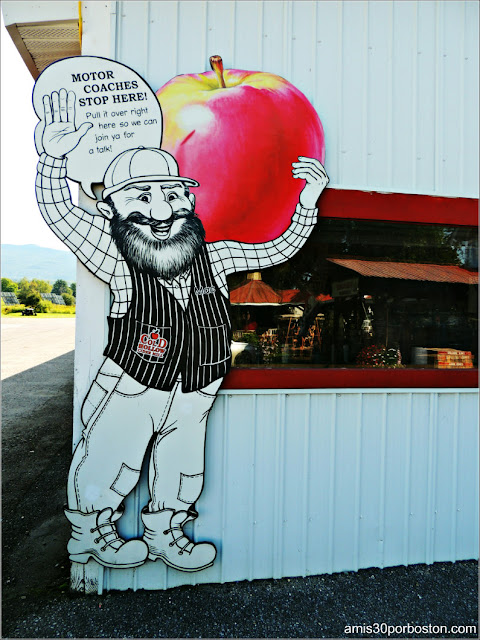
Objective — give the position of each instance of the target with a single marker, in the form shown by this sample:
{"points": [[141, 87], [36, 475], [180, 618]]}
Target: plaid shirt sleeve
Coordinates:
{"points": [[87, 235], [227, 256]]}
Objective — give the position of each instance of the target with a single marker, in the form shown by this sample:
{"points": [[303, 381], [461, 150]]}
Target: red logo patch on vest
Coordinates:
{"points": [[152, 345]]}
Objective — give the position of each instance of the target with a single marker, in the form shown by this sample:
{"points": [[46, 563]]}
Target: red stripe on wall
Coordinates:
{"points": [[398, 207], [350, 378]]}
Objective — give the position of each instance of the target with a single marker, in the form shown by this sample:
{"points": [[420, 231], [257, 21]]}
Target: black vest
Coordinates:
{"points": [[157, 339]]}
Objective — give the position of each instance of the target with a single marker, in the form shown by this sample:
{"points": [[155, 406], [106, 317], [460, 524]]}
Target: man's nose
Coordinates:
{"points": [[161, 211]]}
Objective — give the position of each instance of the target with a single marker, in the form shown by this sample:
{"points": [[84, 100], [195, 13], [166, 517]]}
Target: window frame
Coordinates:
{"points": [[388, 207]]}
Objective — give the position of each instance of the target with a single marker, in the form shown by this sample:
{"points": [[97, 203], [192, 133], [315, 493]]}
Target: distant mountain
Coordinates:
{"points": [[31, 261]]}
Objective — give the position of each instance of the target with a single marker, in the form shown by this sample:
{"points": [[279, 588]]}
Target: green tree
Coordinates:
{"points": [[9, 285], [24, 290], [73, 287], [42, 286], [29, 296], [23, 284], [60, 286], [68, 299]]}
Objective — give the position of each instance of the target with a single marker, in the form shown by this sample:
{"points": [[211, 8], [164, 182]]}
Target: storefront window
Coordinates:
{"points": [[363, 294]]}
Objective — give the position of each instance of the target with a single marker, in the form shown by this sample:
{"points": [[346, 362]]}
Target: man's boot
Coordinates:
{"points": [[166, 540], [94, 535]]}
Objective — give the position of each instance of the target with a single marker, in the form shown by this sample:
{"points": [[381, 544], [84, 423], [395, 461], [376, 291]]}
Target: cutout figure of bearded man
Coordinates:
{"points": [[168, 344]]}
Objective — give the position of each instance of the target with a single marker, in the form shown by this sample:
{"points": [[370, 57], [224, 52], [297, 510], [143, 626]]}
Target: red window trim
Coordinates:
{"points": [[398, 207], [271, 378], [366, 205]]}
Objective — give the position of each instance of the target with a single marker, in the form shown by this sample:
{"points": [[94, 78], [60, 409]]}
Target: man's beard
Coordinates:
{"points": [[166, 259]]}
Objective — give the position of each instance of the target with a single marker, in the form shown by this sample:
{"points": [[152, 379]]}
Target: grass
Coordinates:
{"points": [[54, 311], [55, 315]]}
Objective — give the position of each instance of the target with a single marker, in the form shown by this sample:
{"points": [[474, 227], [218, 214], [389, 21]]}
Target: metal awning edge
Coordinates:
{"points": [[22, 50], [14, 32]]}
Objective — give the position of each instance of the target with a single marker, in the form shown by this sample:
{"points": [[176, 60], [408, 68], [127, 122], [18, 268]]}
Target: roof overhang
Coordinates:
{"points": [[409, 271], [43, 32]]}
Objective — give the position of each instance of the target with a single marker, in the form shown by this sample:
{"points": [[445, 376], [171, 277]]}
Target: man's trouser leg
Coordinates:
{"points": [[177, 460], [176, 481], [119, 422], [118, 419]]}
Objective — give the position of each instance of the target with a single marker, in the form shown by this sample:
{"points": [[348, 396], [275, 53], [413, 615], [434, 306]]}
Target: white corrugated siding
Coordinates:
{"points": [[395, 83], [301, 483]]}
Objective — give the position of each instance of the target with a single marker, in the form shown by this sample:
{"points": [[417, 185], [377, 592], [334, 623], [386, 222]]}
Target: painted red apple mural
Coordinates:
{"points": [[237, 132]]}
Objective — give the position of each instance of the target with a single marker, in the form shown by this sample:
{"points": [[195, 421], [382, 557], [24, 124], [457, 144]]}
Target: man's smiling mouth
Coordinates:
{"points": [[161, 231]]}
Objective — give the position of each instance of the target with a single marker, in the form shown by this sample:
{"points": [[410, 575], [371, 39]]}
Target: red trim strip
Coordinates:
{"points": [[398, 207], [350, 378]]}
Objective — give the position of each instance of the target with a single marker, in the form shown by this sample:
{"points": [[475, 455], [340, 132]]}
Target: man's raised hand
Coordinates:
{"points": [[60, 135], [314, 173]]}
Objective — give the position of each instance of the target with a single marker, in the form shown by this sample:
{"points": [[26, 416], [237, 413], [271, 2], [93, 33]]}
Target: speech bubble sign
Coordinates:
{"points": [[123, 109]]}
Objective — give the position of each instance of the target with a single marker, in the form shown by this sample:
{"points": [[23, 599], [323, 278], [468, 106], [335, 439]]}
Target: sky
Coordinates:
{"points": [[21, 222]]}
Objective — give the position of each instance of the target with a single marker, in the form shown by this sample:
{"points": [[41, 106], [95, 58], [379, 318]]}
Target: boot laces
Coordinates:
{"points": [[175, 541], [111, 530]]}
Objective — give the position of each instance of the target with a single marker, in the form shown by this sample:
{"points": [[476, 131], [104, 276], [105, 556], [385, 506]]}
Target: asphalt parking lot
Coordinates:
{"points": [[37, 371], [30, 341]]}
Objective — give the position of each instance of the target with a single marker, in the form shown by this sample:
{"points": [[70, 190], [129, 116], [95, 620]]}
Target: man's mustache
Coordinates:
{"points": [[139, 218]]}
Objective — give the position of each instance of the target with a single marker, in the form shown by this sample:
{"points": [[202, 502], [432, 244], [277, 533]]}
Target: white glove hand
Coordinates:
{"points": [[314, 173], [60, 135]]}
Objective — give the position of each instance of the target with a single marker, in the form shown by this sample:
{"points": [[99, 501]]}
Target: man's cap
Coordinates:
{"points": [[142, 165]]}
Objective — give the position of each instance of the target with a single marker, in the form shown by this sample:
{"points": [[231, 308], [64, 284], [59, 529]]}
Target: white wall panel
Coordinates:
{"points": [[301, 483], [469, 117], [426, 97], [93, 296], [395, 83]]}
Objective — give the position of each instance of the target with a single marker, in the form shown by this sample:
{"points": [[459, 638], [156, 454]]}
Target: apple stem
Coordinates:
{"points": [[217, 65]]}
